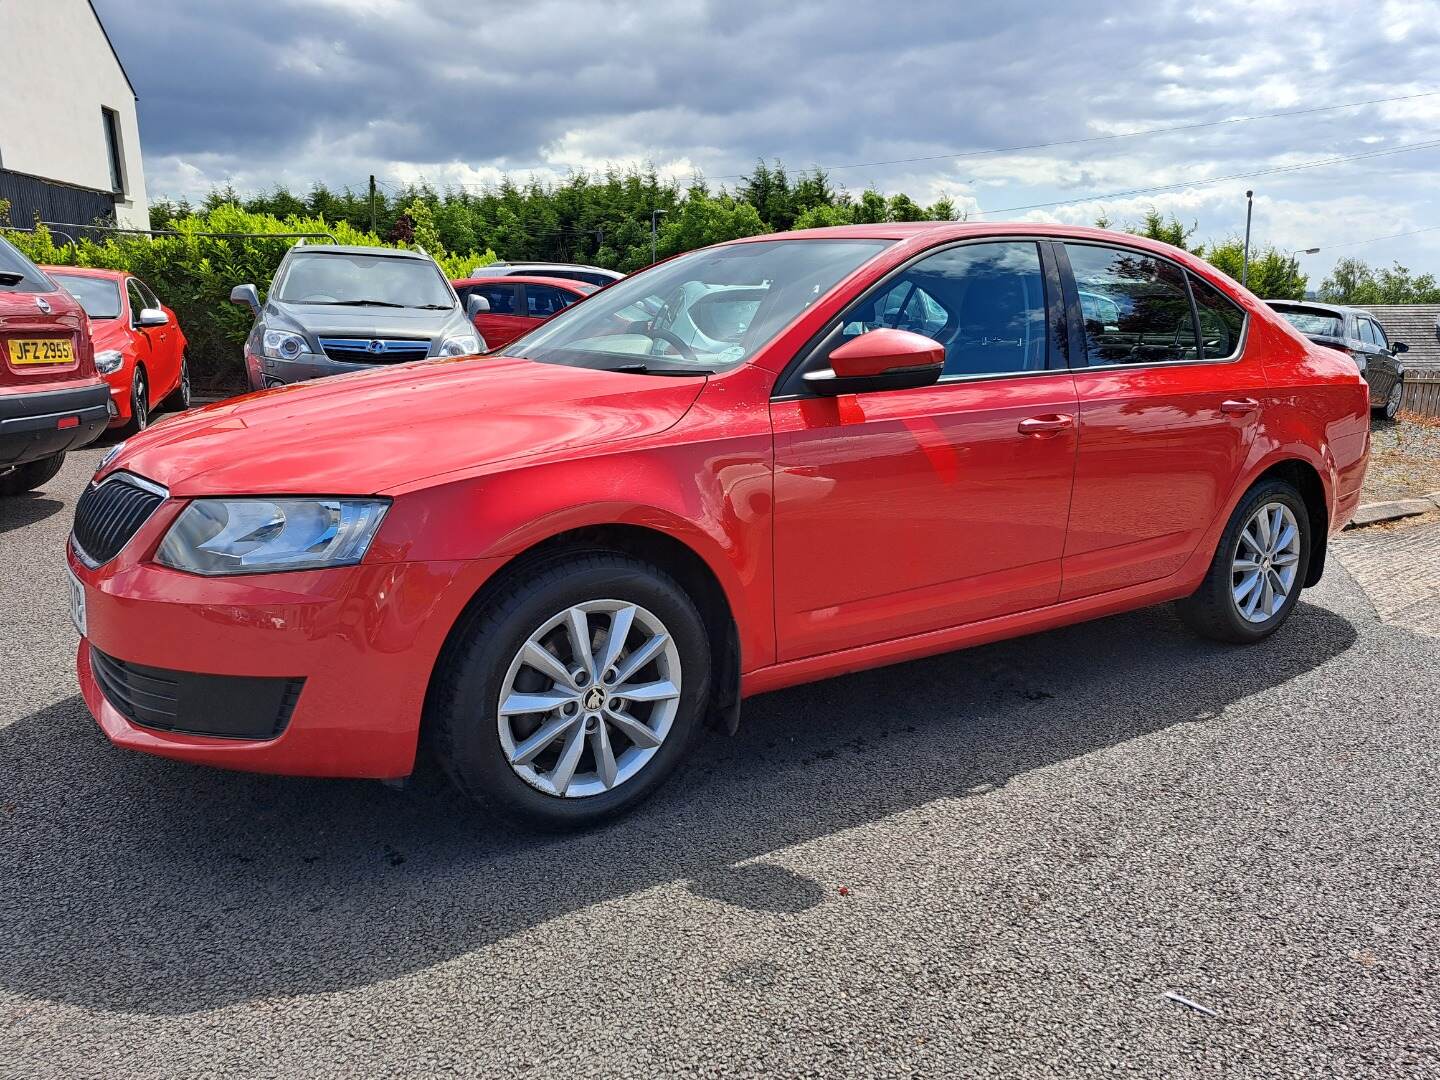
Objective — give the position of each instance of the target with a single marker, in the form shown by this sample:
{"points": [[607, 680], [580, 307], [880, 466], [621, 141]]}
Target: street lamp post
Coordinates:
{"points": [[1295, 262], [1245, 258], [653, 215]]}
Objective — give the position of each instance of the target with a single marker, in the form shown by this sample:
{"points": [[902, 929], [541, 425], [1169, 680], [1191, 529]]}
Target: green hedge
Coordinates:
{"points": [[194, 274]]}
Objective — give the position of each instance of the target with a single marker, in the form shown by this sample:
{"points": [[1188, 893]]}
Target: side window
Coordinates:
{"points": [[500, 297], [1367, 331], [1379, 332], [542, 301], [1135, 306], [984, 302], [149, 297], [1222, 321]]}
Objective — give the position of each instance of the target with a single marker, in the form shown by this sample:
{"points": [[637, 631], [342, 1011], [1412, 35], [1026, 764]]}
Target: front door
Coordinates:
{"points": [[504, 322], [1167, 416], [905, 511]]}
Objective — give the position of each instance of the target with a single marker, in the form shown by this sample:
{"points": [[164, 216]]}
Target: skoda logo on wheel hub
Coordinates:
{"points": [[594, 699]]}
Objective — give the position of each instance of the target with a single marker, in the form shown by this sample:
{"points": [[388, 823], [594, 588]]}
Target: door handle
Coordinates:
{"points": [[1046, 425], [1239, 406]]}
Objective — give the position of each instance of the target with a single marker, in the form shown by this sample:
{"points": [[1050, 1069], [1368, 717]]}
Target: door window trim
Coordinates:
{"points": [[790, 385], [1077, 317]]}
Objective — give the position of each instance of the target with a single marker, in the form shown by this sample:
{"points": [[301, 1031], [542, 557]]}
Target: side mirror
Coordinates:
{"points": [[1397, 347], [883, 359], [475, 304], [152, 316], [246, 294]]}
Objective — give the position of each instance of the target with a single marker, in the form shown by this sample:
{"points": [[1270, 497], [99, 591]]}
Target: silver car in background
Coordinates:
{"points": [[333, 309]]}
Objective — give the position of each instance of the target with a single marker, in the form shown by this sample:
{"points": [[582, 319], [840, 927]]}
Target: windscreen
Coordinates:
{"points": [[19, 274], [704, 311], [355, 280], [1320, 323], [100, 297]]}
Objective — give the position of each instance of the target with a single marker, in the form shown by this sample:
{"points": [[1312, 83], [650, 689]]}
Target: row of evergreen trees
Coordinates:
{"points": [[602, 219]]}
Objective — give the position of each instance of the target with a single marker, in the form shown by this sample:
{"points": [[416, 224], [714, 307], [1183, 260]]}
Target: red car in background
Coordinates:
{"points": [[754, 465], [50, 398], [139, 346], [516, 305]]}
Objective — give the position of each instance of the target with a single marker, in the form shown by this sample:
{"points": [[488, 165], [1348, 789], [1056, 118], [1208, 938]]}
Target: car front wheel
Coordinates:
{"points": [[1254, 581], [139, 403], [574, 692]]}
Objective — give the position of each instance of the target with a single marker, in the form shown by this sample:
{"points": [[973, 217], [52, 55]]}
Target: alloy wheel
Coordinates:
{"points": [[590, 697], [1392, 403], [184, 384], [1265, 562], [139, 402]]}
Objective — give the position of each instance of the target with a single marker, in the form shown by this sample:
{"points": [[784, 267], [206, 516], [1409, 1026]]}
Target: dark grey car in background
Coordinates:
{"points": [[1358, 333], [333, 309]]}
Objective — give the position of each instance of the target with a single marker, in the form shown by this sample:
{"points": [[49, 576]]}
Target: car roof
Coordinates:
{"points": [[568, 284], [556, 266], [88, 271], [357, 249]]}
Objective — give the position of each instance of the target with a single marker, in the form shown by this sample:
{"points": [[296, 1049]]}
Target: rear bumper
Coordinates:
{"points": [[41, 423]]}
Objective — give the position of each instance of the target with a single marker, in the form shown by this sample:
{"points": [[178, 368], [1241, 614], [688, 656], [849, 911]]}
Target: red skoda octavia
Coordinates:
{"points": [[755, 465]]}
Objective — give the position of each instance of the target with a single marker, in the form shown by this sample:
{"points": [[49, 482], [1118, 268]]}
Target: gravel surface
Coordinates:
{"points": [[992, 863], [1404, 460]]}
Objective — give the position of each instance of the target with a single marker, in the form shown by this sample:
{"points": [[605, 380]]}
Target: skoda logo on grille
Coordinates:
{"points": [[376, 347], [42, 304]]}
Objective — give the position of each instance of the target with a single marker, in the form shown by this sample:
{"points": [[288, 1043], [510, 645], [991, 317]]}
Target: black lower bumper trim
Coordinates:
{"points": [[219, 706], [40, 424]]}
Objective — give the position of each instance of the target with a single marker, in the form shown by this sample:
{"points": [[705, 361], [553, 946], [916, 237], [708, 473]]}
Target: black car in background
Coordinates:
{"points": [[1357, 332]]}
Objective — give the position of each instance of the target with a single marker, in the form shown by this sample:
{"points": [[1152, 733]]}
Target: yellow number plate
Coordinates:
{"points": [[41, 351]]}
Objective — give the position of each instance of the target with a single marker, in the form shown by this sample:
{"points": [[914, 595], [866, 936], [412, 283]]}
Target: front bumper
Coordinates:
{"points": [[267, 371], [364, 640], [42, 423]]}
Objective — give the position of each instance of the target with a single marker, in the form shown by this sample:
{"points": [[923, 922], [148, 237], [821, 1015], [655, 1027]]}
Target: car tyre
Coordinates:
{"points": [[139, 403], [1255, 578], [31, 475], [627, 745], [1392, 402], [180, 396]]}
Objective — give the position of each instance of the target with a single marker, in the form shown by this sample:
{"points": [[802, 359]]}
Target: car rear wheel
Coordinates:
{"points": [[1254, 581], [139, 403], [31, 475], [1392, 402], [573, 693]]}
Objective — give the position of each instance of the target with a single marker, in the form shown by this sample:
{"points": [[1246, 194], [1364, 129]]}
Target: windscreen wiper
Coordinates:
{"points": [[646, 369], [363, 303]]}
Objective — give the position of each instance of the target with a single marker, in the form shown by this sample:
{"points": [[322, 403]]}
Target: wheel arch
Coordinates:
{"points": [[1305, 478], [662, 550]]}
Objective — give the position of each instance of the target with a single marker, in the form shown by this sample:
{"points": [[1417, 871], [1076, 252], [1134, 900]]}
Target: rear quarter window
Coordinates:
{"points": [[1222, 321]]}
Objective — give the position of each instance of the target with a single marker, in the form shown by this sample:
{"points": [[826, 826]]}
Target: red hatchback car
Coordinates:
{"points": [[139, 346], [754, 465], [51, 400], [516, 305]]}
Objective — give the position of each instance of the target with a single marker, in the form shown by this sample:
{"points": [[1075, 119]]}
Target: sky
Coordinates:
{"points": [[293, 92]]}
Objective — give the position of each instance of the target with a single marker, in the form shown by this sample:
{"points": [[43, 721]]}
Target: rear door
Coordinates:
{"points": [[1169, 404], [504, 322]]}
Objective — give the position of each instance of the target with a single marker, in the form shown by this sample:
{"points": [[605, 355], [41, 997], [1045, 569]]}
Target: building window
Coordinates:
{"points": [[112, 146]]}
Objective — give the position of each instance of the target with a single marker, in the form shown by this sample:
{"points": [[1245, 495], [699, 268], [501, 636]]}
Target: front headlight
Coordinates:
{"points": [[464, 345], [110, 455], [283, 345], [253, 536], [108, 361]]}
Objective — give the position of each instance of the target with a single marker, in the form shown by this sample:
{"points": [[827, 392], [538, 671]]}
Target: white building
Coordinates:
{"points": [[69, 138]]}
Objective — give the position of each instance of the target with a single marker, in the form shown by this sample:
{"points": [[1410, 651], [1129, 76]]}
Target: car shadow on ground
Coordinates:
{"points": [[17, 511], [145, 886]]}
